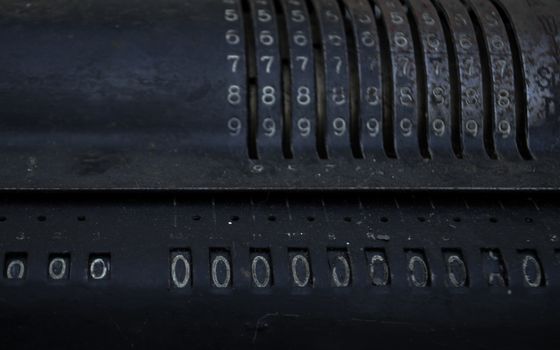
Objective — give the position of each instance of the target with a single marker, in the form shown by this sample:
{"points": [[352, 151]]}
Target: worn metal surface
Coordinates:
{"points": [[275, 94], [151, 271]]}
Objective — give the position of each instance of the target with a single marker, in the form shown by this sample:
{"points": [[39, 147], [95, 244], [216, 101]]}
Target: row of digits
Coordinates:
{"points": [[300, 268], [341, 269]]}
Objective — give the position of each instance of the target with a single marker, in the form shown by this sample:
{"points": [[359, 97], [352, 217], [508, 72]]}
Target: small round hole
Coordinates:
{"points": [[384, 219], [421, 219], [272, 218], [197, 217], [234, 218], [348, 219], [493, 220], [529, 220], [3, 218], [310, 218], [42, 218], [457, 219], [81, 218]]}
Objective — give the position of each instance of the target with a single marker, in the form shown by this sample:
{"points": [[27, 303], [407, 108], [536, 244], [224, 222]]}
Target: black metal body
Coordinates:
{"points": [[280, 173]]}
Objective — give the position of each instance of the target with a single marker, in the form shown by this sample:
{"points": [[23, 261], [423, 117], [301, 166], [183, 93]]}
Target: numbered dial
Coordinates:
{"points": [[368, 102], [437, 85], [236, 87], [302, 104], [536, 28], [269, 116], [497, 47], [403, 80], [334, 105], [465, 55]]}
